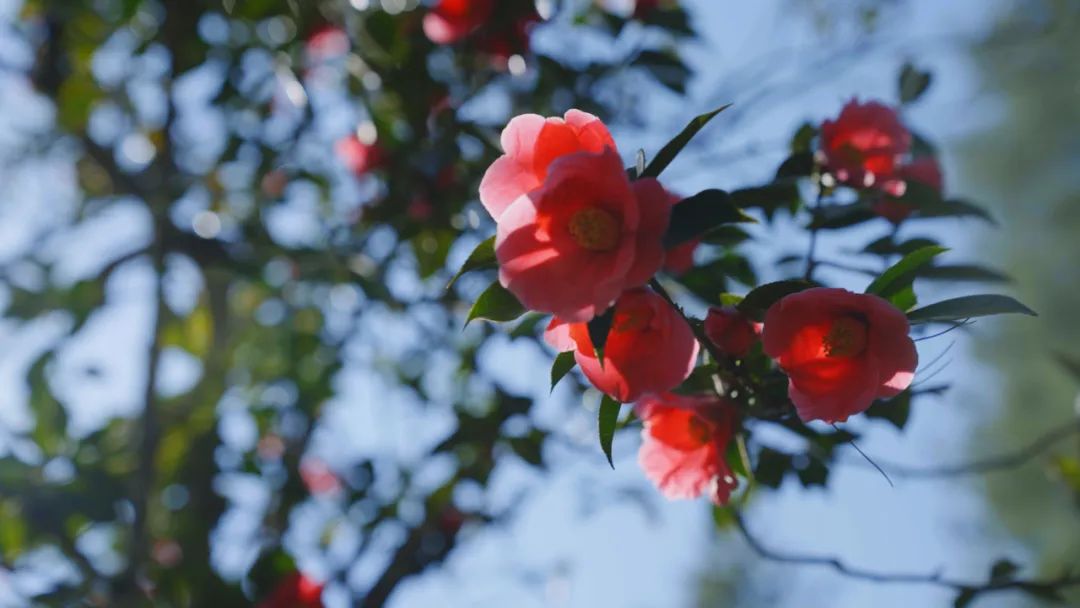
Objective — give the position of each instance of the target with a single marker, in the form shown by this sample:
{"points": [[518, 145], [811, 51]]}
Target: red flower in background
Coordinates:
{"points": [[295, 591], [327, 42], [530, 144], [731, 331], [684, 441], [318, 477], [451, 20], [924, 170], [503, 42], [586, 235], [649, 349], [864, 145], [359, 157], [840, 350]]}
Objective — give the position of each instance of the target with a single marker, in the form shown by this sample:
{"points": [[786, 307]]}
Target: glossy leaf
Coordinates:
{"points": [[563, 363], [895, 283], [482, 257], [607, 421], [968, 307], [496, 304], [698, 214], [599, 328], [761, 298], [670, 150]]}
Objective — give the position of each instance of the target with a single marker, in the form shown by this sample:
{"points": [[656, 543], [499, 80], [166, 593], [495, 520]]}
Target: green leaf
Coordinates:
{"points": [[964, 598], [886, 246], [760, 299], [896, 410], [929, 203], [831, 217], [723, 517], [1070, 363], [725, 236], [967, 307], [963, 272], [527, 326], [913, 83], [482, 257], [496, 304], [799, 164], [780, 194], [564, 362], [803, 139], [705, 211], [673, 147], [1043, 592], [599, 328], [608, 417], [1003, 570], [667, 68], [895, 283]]}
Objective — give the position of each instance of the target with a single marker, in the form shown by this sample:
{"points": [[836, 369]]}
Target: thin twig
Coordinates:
{"points": [[932, 578], [810, 262], [993, 464]]}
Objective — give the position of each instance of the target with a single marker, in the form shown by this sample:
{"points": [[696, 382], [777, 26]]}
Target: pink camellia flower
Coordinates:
{"points": [[571, 246], [731, 331], [924, 170], [684, 441], [295, 591], [531, 143], [359, 157], [840, 350], [649, 349], [864, 145], [451, 20]]}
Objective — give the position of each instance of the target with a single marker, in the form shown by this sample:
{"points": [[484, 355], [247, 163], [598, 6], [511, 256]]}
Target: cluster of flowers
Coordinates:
{"points": [[576, 236], [868, 148]]}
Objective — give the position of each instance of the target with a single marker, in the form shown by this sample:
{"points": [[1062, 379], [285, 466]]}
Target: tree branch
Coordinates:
{"points": [[993, 464], [932, 578]]}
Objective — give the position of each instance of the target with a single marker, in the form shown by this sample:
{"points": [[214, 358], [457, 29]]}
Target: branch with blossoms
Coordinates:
{"points": [[601, 248]]}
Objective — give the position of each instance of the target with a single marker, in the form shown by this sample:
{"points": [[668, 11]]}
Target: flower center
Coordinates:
{"points": [[699, 430], [595, 229], [846, 338]]}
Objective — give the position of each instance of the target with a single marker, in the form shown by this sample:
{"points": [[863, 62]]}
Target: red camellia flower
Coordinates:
{"points": [[649, 349], [586, 235], [326, 43], [864, 145], [731, 331], [684, 440], [924, 170], [504, 42], [295, 591], [451, 20], [840, 350], [359, 157], [531, 143]]}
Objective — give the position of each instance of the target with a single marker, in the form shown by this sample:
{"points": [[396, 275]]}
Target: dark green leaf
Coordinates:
{"points": [[928, 202], [896, 410], [483, 256], [608, 417], [913, 83], [963, 272], [599, 328], [967, 307], [725, 236], [771, 467], [964, 598], [564, 362], [886, 246], [667, 68], [1043, 592], [699, 381], [697, 215], [760, 299], [799, 164], [781, 194], [673, 147], [895, 283], [1003, 570], [803, 139], [831, 217], [527, 325], [496, 304]]}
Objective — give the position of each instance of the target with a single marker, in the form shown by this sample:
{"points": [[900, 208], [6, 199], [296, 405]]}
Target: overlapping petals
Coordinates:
{"points": [[841, 350], [865, 144]]}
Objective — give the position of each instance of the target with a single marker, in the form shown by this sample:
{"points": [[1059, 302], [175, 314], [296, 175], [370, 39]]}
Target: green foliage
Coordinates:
{"points": [[968, 307], [607, 420], [895, 284], [496, 304], [563, 363], [758, 301], [671, 149], [912, 83], [697, 215], [481, 258]]}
